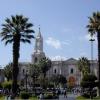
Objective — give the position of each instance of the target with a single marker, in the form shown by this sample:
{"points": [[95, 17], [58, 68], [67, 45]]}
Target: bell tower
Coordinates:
{"points": [[39, 42], [38, 49]]}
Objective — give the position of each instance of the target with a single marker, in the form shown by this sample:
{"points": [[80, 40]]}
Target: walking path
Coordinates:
{"points": [[69, 97]]}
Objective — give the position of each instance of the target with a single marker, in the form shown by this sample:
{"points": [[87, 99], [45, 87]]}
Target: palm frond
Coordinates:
{"points": [[3, 34], [4, 25], [20, 17], [5, 31], [17, 17], [25, 40], [94, 15], [8, 20], [7, 28], [13, 19], [29, 31], [8, 41], [25, 20], [91, 20], [7, 37], [28, 25], [27, 36], [98, 16]]}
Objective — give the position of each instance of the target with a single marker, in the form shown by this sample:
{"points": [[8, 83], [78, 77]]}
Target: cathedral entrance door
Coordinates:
{"points": [[71, 81]]}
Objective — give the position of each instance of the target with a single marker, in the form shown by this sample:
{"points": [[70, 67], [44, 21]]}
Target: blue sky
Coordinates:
{"points": [[63, 26]]}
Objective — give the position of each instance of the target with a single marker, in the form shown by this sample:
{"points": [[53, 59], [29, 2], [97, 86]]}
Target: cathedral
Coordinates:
{"points": [[68, 68]]}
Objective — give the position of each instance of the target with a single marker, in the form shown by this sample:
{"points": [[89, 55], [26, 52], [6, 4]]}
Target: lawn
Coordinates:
{"points": [[2, 98], [83, 98], [33, 98], [80, 98]]}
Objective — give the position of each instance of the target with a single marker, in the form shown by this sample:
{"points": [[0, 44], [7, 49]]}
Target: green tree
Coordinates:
{"points": [[94, 28], [34, 71], [54, 80], [45, 65], [7, 85], [15, 30], [58, 80], [84, 65], [8, 71], [62, 79], [88, 82]]}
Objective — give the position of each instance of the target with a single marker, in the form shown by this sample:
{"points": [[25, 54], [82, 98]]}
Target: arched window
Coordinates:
{"points": [[72, 71], [35, 59], [23, 71], [55, 71]]}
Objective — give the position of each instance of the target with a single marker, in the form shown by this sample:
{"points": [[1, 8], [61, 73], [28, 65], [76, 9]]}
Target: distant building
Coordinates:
{"points": [[68, 68]]}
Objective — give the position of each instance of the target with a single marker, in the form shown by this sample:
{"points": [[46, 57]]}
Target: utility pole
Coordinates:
{"points": [[91, 40], [26, 79]]}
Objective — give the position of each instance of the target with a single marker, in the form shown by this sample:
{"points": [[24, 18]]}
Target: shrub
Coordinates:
{"points": [[1, 85], [24, 95], [86, 95], [7, 85], [88, 83], [50, 96]]}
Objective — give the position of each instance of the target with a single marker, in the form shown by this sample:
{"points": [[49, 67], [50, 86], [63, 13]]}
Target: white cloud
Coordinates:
{"points": [[54, 43], [67, 42], [57, 44], [57, 58]]}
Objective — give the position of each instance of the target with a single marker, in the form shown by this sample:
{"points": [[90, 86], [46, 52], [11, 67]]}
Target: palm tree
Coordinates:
{"points": [[15, 30], [84, 65], [94, 28], [45, 65]]}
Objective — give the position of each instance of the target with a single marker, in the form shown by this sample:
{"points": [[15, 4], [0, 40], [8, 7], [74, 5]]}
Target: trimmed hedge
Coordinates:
{"points": [[24, 95]]}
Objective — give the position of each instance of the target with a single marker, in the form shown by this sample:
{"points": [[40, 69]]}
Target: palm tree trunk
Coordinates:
{"points": [[16, 46], [14, 77], [98, 38]]}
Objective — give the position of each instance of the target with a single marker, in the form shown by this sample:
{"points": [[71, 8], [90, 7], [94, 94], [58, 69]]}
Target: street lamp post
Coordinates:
{"points": [[26, 75], [91, 40]]}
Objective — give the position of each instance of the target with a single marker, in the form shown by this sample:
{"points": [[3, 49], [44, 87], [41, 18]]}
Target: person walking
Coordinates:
{"points": [[65, 94], [41, 96]]}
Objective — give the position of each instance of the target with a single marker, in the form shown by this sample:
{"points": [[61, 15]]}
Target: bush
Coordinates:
{"points": [[1, 85], [88, 83], [7, 85], [25, 95], [50, 96], [86, 95]]}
